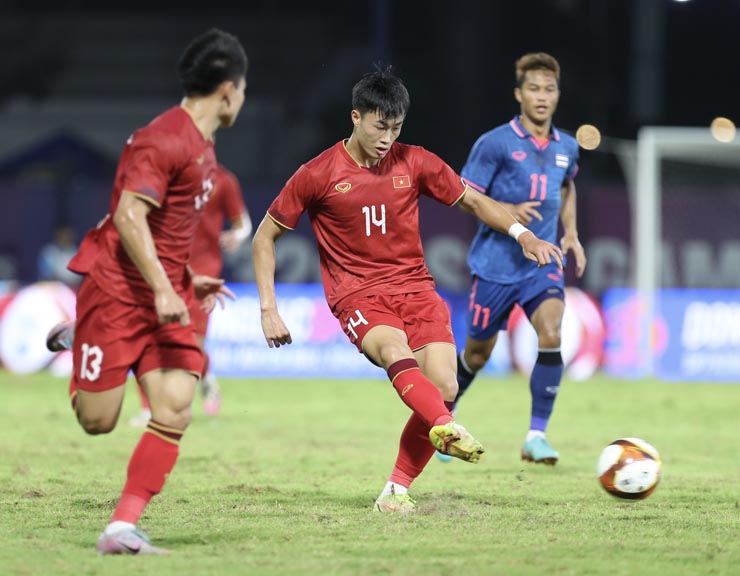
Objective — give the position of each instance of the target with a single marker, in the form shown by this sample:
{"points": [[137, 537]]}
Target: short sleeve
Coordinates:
{"points": [[437, 180], [151, 161], [294, 199], [232, 199], [482, 164]]}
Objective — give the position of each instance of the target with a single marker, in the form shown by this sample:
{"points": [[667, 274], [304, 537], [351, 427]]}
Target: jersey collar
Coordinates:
{"points": [[520, 131], [347, 156]]}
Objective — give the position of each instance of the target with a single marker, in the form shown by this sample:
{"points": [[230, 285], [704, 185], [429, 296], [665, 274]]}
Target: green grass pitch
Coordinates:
{"points": [[282, 482]]}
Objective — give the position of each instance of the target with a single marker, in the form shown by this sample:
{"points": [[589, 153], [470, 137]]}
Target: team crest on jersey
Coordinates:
{"points": [[561, 160], [201, 158], [401, 182], [519, 155], [343, 187]]}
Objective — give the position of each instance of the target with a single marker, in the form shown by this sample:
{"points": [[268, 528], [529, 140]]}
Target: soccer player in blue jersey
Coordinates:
{"points": [[528, 166]]}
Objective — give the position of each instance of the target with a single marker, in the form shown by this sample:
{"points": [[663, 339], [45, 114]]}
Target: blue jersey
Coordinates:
{"points": [[509, 165]]}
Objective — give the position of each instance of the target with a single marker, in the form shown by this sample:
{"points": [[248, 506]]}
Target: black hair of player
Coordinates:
{"points": [[209, 60], [383, 92]]}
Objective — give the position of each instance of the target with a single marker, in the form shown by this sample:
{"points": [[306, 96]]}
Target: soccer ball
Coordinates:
{"points": [[629, 468]]}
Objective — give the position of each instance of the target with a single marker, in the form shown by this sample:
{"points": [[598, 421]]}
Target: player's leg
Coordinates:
{"points": [[427, 323], [142, 417], [545, 312], [437, 362], [168, 370], [471, 360], [488, 311], [209, 387], [101, 357], [210, 390], [170, 393], [387, 346], [97, 412]]}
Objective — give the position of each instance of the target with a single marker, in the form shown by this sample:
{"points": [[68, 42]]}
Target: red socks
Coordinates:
{"points": [[150, 464], [418, 392], [414, 452]]}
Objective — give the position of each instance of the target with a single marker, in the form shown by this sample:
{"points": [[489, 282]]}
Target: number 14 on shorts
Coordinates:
{"points": [[354, 323]]}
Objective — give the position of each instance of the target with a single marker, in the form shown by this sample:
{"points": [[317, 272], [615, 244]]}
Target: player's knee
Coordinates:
{"points": [[174, 418], [549, 337], [477, 359], [449, 390], [391, 353], [96, 425]]}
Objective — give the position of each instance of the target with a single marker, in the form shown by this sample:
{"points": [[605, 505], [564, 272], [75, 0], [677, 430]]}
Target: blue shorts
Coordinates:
{"points": [[491, 302]]}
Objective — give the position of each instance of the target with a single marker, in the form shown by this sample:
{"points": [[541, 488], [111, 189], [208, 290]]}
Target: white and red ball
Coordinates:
{"points": [[629, 468]]}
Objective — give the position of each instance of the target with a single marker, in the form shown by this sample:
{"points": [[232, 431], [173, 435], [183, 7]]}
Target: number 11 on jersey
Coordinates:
{"points": [[542, 179]]}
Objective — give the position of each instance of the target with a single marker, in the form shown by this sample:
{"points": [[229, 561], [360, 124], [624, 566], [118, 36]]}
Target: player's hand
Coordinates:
{"points": [[540, 251], [210, 291], [525, 212], [171, 308], [275, 331], [208, 303], [229, 241], [571, 242]]}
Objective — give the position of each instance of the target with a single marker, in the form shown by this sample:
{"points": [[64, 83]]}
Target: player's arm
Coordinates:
{"points": [[524, 212], [241, 228], [494, 215], [570, 241], [263, 258], [130, 219]]}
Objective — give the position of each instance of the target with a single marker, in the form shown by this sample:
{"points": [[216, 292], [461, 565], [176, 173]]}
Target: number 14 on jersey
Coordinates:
{"points": [[371, 218]]}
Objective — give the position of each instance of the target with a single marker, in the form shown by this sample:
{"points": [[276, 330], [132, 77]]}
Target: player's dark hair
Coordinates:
{"points": [[383, 92], [535, 61], [210, 59]]}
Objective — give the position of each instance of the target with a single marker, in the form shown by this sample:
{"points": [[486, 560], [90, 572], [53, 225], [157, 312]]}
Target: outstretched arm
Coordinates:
{"points": [[570, 241], [131, 222], [495, 216], [263, 259]]}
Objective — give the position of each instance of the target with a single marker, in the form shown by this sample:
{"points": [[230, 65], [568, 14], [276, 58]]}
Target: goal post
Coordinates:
{"points": [[655, 144]]}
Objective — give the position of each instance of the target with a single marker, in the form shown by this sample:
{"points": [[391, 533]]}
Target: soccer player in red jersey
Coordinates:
{"points": [[362, 199], [132, 307], [206, 258]]}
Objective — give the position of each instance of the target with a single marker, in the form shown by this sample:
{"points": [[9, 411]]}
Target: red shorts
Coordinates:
{"points": [[113, 337], [198, 318], [423, 316]]}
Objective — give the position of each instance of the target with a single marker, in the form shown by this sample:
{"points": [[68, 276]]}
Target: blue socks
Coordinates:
{"points": [[544, 384], [465, 376]]}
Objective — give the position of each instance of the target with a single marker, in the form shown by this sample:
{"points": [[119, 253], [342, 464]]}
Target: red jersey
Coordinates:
{"points": [[366, 220], [171, 165], [225, 202]]}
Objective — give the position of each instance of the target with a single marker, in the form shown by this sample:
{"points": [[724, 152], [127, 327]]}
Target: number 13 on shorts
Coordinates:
{"points": [[92, 358]]}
